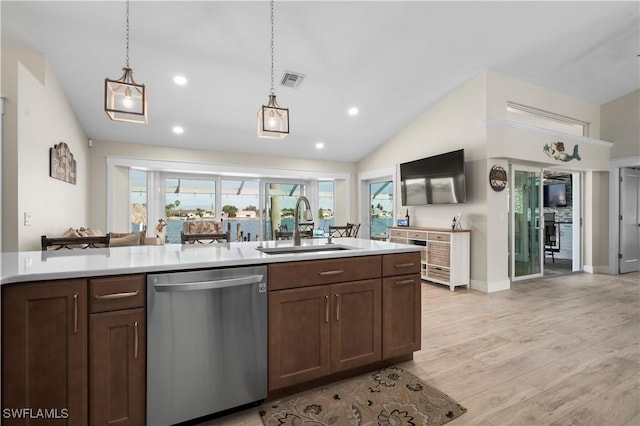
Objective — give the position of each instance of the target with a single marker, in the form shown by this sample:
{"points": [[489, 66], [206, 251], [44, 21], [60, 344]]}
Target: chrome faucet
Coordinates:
{"points": [[296, 213]]}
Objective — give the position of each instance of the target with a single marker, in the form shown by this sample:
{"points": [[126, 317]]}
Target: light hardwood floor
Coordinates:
{"points": [[556, 351]]}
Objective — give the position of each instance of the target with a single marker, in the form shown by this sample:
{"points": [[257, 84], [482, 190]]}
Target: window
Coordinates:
{"points": [[381, 205], [240, 201], [280, 202], [546, 119], [326, 205], [138, 197], [202, 191], [187, 199]]}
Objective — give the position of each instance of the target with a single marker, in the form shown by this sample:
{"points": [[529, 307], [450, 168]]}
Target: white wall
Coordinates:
{"points": [[38, 117], [621, 125], [458, 121], [524, 146], [454, 123]]}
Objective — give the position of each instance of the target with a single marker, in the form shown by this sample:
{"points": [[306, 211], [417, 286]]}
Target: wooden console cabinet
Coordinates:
{"points": [[334, 315], [446, 257], [70, 350]]}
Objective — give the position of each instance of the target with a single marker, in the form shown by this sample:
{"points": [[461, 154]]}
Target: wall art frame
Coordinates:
{"points": [[62, 165]]}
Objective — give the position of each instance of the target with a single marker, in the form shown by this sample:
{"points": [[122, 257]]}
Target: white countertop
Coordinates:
{"points": [[48, 265]]}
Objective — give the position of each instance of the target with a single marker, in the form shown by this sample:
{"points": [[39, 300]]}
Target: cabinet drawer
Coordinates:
{"points": [[115, 293], [326, 271], [417, 235], [398, 240], [400, 264], [438, 273], [401, 233], [437, 236], [438, 254]]}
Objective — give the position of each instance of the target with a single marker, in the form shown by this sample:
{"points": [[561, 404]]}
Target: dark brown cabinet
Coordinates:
{"points": [[75, 350], [401, 307], [355, 324], [44, 351], [117, 351], [299, 335], [320, 325], [319, 330]]}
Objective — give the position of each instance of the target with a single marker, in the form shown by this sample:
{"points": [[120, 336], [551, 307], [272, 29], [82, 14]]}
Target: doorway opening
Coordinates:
{"points": [[561, 217]]}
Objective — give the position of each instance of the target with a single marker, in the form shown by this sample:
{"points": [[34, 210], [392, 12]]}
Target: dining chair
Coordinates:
{"points": [[340, 230]]}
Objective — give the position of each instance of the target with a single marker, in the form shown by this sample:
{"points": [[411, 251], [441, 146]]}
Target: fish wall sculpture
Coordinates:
{"points": [[557, 151]]}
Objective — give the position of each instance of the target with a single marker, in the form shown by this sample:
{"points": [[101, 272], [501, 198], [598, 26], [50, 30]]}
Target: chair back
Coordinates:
{"points": [[340, 230], [201, 231]]}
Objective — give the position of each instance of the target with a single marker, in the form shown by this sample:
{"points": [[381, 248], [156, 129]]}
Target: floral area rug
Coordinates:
{"points": [[391, 396]]}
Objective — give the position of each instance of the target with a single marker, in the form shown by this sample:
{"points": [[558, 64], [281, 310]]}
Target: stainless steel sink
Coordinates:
{"points": [[303, 249]]}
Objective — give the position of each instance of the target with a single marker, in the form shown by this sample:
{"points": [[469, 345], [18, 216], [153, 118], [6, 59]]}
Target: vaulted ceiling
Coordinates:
{"points": [[392, 60]]}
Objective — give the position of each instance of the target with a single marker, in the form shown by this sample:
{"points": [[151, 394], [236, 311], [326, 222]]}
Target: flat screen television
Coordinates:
{"points": [[439, 179], [555, 195]]}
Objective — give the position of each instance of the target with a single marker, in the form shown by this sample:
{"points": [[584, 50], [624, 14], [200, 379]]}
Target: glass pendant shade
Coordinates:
{"points": [[273, 120], [124, 99]]}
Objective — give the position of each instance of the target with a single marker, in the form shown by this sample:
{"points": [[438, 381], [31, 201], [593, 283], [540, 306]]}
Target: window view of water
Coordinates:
{"points": [[189, 198]]}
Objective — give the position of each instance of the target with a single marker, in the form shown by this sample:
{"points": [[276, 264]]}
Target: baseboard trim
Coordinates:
{"points": [[491, 287]]}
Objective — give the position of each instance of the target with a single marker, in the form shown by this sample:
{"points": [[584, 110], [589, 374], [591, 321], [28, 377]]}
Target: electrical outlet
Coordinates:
{"points": [[27, 219]]}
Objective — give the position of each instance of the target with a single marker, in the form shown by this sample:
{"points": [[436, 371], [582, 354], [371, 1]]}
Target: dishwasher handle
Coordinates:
{"points": [[209, 285]]}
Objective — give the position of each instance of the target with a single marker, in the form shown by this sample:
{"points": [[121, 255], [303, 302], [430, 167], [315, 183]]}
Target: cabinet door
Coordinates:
{"points": [[298, 335], [44, 355], [401, 332], [438, 253], [117, 365], [356, 324]]}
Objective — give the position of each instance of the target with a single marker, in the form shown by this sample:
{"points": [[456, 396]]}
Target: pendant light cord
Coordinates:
{"points": [[127, 57], [273, 90]]}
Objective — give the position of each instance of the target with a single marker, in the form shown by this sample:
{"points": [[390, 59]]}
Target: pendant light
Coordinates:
{"points": [[124, 99], [273, 120]]}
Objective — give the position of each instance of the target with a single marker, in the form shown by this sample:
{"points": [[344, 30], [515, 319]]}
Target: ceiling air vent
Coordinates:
{"points": [[292, 79]]}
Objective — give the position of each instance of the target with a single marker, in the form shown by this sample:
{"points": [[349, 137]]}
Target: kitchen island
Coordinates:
{"points": [[63, 264], [333, 310]]}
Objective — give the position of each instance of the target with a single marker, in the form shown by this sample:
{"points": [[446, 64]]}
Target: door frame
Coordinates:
{"points": [[364, 180], [577, 237]]}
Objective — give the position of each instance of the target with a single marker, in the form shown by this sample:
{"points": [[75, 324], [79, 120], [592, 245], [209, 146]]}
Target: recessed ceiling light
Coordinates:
{"points": [[180, 80], [320, 145], [353, 111], [178, 130]]}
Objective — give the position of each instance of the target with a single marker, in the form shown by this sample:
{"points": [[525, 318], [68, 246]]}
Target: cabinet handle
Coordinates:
{"points": [[404, 282], [337, 307], [404, 265], [117, 295], [135, 340], [75, 314], [326, 309], [336, 272]]}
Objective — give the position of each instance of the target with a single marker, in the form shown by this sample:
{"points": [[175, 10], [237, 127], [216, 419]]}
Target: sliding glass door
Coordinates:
{"points": [[526, 230], [381, 209]]}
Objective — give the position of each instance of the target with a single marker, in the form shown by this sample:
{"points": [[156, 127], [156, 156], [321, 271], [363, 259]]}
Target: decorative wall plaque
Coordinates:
{"points": [[61, 163], [558, 151], [497, 178]]}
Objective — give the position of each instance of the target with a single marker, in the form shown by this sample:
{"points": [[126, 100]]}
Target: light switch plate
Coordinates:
{"points": [[27, 219]]}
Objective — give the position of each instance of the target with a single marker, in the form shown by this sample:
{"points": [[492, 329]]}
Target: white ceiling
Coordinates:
{"points": [[393, 60]]}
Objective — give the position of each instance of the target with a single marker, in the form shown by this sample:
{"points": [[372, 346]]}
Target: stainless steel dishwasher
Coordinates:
{"points": [[207, 342]]}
